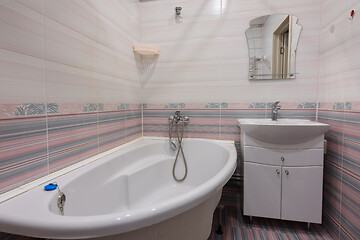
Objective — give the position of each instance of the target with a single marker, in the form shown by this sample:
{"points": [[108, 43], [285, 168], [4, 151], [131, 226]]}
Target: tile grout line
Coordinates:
{"points": [[45, 95]]}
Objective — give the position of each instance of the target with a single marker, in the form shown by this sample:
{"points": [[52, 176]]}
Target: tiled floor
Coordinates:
{"points": [[236, 227]]}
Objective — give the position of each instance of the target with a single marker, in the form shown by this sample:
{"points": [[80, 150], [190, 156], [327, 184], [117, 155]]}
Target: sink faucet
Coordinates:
{"points": [[274, 110]]}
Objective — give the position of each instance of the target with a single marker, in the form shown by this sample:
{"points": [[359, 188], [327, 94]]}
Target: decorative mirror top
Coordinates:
{"points": [[272, 42]]}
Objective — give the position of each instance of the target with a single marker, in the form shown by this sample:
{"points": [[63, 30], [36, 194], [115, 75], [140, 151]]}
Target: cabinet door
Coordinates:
{"points": [[262, 190], [302, 193]]}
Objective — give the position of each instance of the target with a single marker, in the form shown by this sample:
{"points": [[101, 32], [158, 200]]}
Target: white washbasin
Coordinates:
{"points": [[282, 131]]}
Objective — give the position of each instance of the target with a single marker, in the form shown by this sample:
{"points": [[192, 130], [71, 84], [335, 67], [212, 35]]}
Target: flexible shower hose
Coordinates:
{"points": [[180, 138]]}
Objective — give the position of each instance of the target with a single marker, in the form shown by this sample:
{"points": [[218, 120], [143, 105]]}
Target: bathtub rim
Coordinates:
{"points": [[109, 221], [50, 177]]}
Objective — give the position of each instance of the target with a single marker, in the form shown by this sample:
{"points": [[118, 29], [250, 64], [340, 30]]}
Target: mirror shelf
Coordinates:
{"points": [[259, 76]]}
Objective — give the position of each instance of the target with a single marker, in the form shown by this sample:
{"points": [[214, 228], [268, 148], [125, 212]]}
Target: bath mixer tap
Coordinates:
{"points": [[179, 122], [176, 120], [274, 110]]}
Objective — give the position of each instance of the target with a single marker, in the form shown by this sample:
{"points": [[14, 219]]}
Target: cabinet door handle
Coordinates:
{"points": [[282, 159], [286, 172], [277, 171]]}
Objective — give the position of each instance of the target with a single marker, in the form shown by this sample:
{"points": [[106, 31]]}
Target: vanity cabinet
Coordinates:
{"points": [[283, 181]]}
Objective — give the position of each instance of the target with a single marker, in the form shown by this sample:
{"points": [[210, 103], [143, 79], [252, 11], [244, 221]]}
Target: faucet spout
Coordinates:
{"points": [[274, 110]]}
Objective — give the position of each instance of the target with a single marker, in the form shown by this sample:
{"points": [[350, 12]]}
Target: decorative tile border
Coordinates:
{"points": [[229, 105], [258, 105], [93, 107], [30, 109], [307, 105], [340, 106]]}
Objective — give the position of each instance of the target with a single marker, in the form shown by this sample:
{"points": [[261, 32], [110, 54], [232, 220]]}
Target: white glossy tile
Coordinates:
{"points": [[164, 11], [21, 29], [334, 34], [36, 5], [111, 36], [257, 7], [295, 7], [69, 84], [113, 89], [76, 15], [22, 78], [207, 56], [334, 9], [195, 28], [66, 46], [124, 16], [115, 63]]}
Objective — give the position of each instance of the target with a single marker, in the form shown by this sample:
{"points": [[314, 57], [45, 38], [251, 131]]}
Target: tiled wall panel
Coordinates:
{"points": [[23, 148], [341, 214], [204, 55], [69, 84], [339, 98]]}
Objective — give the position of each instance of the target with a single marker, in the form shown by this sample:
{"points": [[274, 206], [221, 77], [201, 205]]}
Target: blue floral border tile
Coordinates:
{"points": [[28, 109], [93, 107], [348, 106], [342, 106], [171, 106], [224, 105], [307, 105], [142, 106], [182, 105], [212, 105], [258, 105], [123, 106]]}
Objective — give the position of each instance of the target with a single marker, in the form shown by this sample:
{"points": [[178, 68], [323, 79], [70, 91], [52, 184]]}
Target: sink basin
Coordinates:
{"points": [[282, 131]]}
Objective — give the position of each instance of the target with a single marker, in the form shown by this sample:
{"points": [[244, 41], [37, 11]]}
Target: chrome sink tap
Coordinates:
{"points": [[274, 110]]}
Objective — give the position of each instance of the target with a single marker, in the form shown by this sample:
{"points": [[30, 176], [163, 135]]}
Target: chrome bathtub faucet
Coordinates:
{"points": [[179, 121], [178, 118], [274, 110]]}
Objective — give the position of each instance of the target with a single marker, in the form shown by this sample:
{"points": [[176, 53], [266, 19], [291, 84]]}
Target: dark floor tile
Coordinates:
{"points": [[235, 226]]}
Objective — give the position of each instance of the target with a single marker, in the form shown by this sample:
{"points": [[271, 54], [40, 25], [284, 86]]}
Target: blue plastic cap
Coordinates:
{"points": [[50, 187]]}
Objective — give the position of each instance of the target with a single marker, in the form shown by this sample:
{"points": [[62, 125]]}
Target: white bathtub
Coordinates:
{"points": [[129, 194]]}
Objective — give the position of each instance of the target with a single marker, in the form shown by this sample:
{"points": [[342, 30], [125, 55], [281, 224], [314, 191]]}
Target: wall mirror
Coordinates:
{"points": [[272, 42]]}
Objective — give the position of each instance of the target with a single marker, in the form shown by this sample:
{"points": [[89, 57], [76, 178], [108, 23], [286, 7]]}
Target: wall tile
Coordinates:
{"points": [[70, 84], [23, 150], [66, 46], [50, 104], [76, 15], [212, 59], [22, 78], [72, 138], [125, 15], [21, 29], [36, 5], [111, 129]]}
